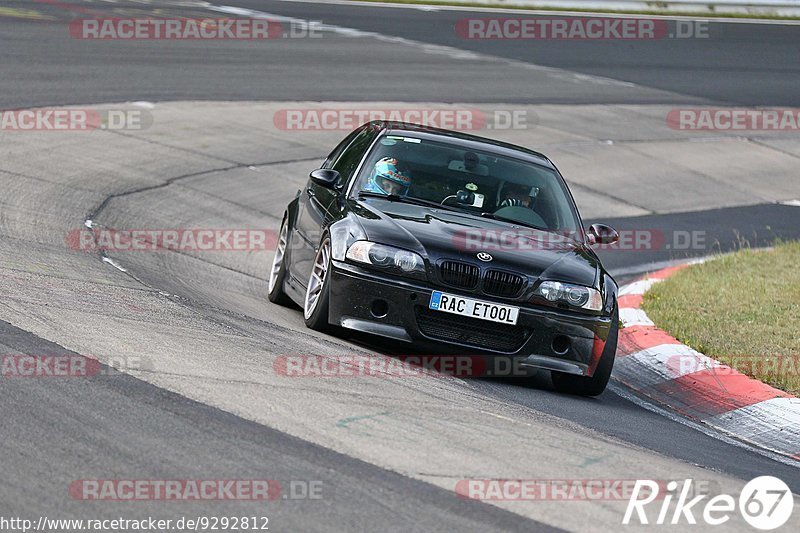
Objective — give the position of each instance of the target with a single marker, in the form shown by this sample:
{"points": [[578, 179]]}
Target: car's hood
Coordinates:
{"points": [[440, 234]]}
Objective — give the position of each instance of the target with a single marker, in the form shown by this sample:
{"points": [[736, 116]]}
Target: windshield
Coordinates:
{"points": [[480, 183]]}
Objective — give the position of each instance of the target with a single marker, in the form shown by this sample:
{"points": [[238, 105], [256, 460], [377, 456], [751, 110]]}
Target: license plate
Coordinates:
{"points": [[458, 305]]}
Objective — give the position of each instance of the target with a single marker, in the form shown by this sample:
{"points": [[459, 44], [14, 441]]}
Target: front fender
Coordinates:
{"points": [[291, 209]]}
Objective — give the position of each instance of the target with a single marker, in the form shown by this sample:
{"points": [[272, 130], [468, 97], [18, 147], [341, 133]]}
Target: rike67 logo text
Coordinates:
{"points": [[765, 503]]}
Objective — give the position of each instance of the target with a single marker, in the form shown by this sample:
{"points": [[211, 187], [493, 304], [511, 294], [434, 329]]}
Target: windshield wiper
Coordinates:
{"points": [[494, 216], [405, 199]]}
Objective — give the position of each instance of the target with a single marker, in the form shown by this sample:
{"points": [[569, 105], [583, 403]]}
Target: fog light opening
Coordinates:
{"points": [[561, 344], [379, 308]]}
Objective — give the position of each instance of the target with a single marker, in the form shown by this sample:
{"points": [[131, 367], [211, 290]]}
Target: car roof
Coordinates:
{"points": [[463, 140]]}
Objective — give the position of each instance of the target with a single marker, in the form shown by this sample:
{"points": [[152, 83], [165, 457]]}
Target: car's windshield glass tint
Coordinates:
{"points": [[474, 182]]}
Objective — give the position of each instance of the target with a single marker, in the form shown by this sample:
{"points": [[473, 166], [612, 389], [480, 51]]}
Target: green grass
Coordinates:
{"points": [[703, 15], [742, 309]]}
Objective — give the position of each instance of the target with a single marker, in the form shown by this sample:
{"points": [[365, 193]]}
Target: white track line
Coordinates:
{"points": [[449, 51]]}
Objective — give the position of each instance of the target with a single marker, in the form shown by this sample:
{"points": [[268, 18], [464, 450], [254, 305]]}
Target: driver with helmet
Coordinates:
{"points": [[387, 178]]}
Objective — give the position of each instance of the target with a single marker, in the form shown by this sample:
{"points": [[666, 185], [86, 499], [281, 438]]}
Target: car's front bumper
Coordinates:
{"points": [[397, 308]]}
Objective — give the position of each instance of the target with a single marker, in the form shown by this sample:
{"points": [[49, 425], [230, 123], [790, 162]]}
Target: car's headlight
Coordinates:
{"points": [[387, 257], [576, 296]]}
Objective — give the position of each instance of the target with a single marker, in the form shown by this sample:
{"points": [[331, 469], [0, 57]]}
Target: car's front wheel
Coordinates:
{"points": [[315, 308], [592, 386], [277, 273]]}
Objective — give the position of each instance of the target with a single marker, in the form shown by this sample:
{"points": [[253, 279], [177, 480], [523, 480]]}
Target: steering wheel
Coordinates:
{"points": [[524, 215]]}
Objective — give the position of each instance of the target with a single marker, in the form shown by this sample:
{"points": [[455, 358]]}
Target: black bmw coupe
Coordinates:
{"points": [[451, 242]]}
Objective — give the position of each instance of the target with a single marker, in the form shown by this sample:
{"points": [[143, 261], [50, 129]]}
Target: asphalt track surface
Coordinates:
{"points": [[738, 64], [123, 426], [169, 437]]}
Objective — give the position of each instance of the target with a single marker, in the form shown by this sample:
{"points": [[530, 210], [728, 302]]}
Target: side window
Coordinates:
{"points": [[334, 155], [348, 161]]}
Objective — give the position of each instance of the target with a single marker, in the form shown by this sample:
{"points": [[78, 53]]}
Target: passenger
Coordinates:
{"points": [[519, 196]]}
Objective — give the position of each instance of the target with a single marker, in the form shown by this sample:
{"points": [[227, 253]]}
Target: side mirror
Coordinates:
{"points": [[325, 177], [602, 234]]}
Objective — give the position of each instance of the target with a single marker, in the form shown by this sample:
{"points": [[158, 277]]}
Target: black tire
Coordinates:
{"points": [[275, 290], [595, 385], [318, 318]]}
